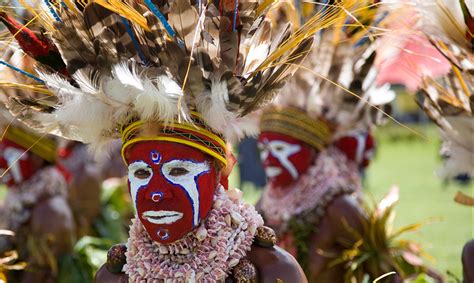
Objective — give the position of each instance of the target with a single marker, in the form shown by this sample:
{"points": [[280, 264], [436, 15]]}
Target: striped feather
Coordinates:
{"points": [[183, 18]]}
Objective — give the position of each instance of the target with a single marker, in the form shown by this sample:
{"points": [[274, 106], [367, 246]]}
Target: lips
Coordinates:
{"points": [[272, 171], [162, 216]]}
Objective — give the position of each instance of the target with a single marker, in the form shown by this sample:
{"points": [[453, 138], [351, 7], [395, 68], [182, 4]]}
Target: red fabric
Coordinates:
{"points": [[301, 160], [160, 194]]}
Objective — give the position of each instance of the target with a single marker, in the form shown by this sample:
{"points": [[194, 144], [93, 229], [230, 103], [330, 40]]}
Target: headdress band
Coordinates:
{"points": [[41, 146], [195, 134], [297, 124]]}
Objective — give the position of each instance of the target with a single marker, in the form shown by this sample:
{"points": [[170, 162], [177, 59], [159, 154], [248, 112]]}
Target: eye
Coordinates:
{"points": [[178, 171], [279, 148], [142, 174]]}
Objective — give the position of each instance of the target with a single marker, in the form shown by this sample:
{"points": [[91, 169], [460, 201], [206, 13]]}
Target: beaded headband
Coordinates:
{"points": [[195, 134]]}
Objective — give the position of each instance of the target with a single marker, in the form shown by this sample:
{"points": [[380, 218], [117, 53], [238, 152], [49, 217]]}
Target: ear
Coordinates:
{"points": [[225, 172]]}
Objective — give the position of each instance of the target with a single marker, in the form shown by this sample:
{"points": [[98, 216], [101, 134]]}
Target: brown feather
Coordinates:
{"points": [[183, 18], [228, 43], [266, 90], [73, 41]]}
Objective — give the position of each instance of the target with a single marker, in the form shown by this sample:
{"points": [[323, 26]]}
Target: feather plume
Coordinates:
{"points": [[125, 62], [336, 82]]}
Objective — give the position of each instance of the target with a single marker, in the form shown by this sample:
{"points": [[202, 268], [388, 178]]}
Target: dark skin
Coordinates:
{"points": [[342, 215], [468, 262], [331, 231], [272, 264]]}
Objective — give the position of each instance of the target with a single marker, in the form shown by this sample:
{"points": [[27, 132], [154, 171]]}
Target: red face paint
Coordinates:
{"points": [[284, 158], [172, 187], [358, 147], [20, 163]]}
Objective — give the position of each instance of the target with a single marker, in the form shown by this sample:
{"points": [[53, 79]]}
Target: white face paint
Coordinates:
{"points": [[13, 156], [282, 151], [139, 175], [184, 173], [162, 216]]}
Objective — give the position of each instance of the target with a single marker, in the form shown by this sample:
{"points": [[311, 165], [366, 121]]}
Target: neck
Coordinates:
{"points": [[205, 254]]}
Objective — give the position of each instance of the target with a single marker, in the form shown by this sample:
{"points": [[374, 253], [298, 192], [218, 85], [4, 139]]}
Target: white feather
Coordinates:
{"points": [[212, 106], [159, 99]]}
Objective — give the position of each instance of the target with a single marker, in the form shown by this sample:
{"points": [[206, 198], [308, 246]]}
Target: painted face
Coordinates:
{"points": [[284, 158], [20, 163], [172, 187], [358, 147]]}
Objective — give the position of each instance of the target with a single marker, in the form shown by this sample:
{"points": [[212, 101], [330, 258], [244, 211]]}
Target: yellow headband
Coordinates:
{"points": [[195, 134], [297, 124], [41, 146]]}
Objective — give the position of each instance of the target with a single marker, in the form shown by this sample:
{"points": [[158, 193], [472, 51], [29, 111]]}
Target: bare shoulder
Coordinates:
{"points": [[345, 210], [274, 263], [345, 204]]}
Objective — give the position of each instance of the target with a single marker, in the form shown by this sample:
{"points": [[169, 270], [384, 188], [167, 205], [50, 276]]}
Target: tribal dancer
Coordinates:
{"points": [[174, 80], [315, 141], [35, 207]]}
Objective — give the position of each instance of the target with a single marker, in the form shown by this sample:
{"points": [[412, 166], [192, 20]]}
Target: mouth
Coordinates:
{"points": [[162, 216], [272, 171]]}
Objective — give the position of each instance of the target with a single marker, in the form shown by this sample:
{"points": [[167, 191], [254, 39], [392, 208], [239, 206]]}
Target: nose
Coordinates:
{"points": [[159, 194], [270, 160], [156, 196]]}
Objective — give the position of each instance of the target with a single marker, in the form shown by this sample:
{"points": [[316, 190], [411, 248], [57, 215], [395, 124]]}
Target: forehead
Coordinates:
{"points": [[168, 150], [271, 136]]}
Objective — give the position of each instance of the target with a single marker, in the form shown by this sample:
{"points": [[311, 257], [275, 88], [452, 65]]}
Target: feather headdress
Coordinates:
{"points": [[12, 130], [449, 101], [335, 86], [439, 56], [127, 62]]}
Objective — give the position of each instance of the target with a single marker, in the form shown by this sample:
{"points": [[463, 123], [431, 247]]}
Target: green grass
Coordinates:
{"points": [[410, 162]]}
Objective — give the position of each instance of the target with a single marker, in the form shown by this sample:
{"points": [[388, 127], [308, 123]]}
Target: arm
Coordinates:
{"points": [[274, 263], [325, 242], [52, 233], [468, 261], [345, 213]]}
